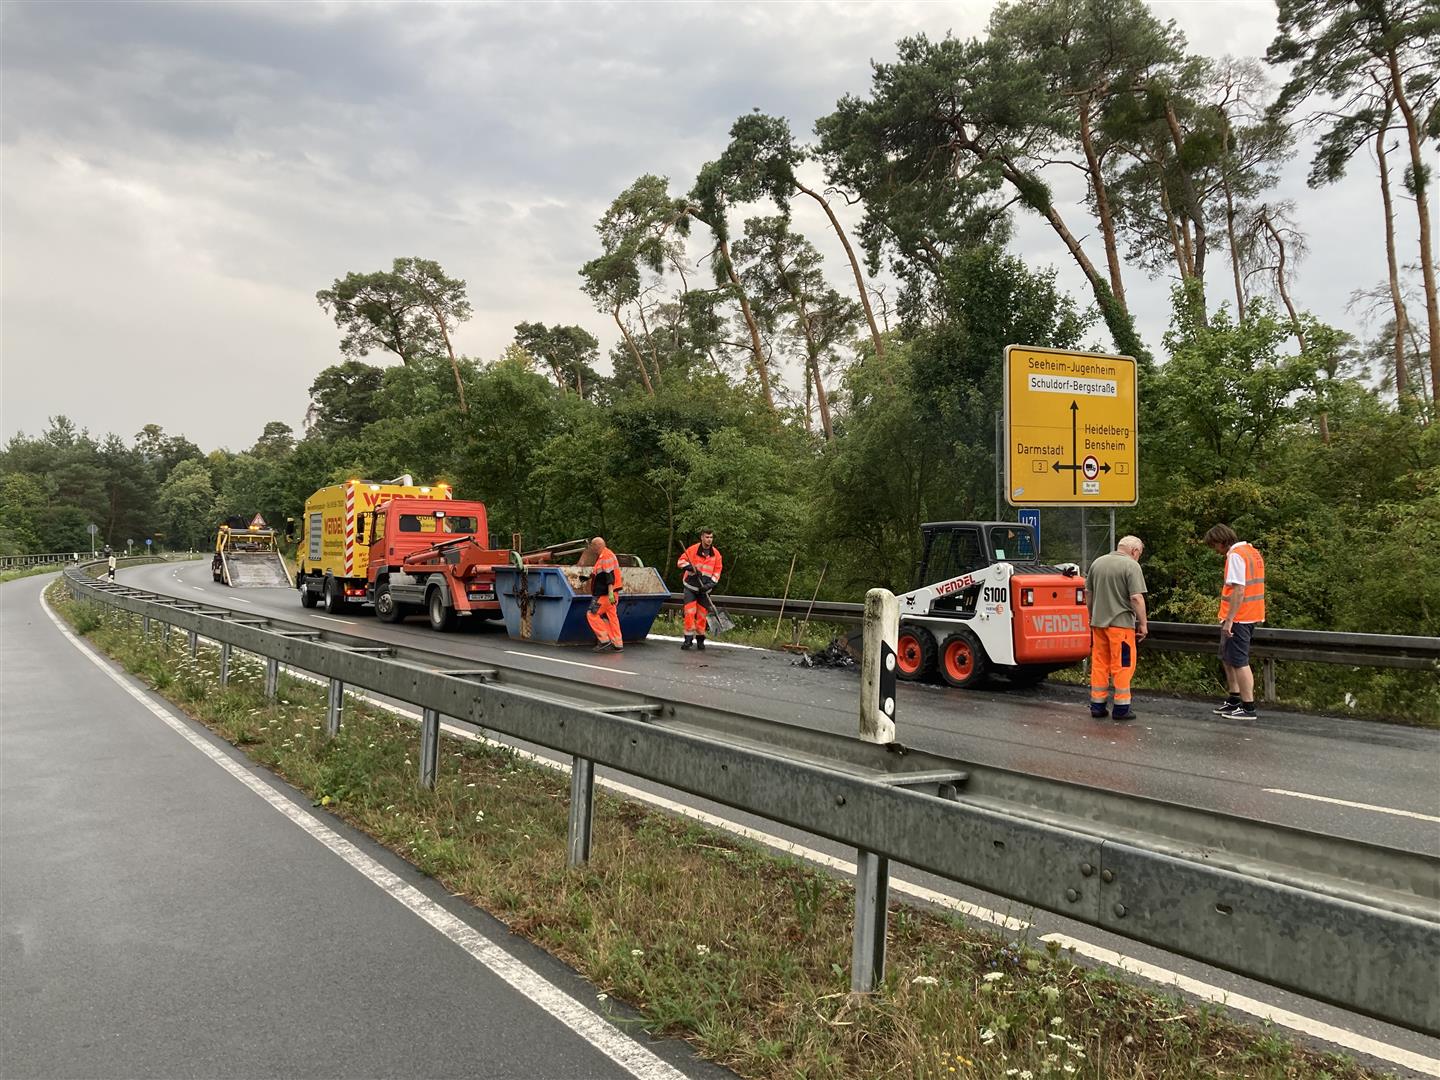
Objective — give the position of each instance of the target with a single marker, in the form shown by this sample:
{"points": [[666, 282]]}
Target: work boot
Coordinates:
{"points": [[1123, 712], [700, 642], [689, 642], [1099, 712], [604, 646]]}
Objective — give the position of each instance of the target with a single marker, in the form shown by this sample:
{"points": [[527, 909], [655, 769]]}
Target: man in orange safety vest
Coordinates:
{"points": [[701, 564], [1242, 605], [605, 583]]}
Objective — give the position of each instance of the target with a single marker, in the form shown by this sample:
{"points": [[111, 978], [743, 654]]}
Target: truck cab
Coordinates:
{"points": [[430, 556]]}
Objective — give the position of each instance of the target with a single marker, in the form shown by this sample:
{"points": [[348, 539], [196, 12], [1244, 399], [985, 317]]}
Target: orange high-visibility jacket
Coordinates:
{"points": [[1252, 602], [709, 565], [607, 563]]}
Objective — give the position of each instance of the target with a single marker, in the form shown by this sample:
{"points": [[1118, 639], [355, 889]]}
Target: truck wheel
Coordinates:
{"points": [[442, 615], [963, 662], [308, 599], [386, 609], [335, 598], [914, 653]]}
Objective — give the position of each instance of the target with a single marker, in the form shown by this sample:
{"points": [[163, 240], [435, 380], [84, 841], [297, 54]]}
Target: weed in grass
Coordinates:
{"points": [[714, 940]]}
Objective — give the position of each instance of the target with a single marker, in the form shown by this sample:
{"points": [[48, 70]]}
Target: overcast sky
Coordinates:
{"points": [[178, 181]]}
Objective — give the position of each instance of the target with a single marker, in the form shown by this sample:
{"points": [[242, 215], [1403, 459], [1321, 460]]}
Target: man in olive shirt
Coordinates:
{"points": [[1115, 595]]}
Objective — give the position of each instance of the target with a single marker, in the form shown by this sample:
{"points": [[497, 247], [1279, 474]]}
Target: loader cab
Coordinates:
{"points": [[950, 549]]}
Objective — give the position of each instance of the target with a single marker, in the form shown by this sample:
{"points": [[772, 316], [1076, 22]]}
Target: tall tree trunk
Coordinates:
{"points": [[1402, 375], [762, 367], [1189, 196], [1230, 221], [649, 338], [812, 350], [639, 360], [1117, 319], [1295, 327], [1181, 266], [854, 266], [1422, 210], [454, 363], [1102, 203]]}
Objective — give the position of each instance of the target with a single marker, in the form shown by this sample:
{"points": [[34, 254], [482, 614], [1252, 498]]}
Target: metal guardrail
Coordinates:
{"points": [[11, 562], [1269, 643], [1351, 923]]}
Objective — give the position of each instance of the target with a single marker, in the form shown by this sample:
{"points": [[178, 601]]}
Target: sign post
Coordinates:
{"points": [[92, 529], [1070, 428]]}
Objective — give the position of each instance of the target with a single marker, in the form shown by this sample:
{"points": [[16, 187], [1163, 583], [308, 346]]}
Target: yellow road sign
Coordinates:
{"points": [[1070, 428]]}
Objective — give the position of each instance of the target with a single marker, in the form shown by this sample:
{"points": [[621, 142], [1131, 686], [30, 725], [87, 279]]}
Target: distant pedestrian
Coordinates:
{"points": [[1115, 594], [1242, 605], [605, 584], [701, 564], [110, 563]]}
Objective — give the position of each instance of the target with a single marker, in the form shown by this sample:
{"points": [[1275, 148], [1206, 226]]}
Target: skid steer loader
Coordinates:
{"points": [[984, 605]]}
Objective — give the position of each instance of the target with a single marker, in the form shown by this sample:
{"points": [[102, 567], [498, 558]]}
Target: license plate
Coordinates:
{"points": [[482, 596]]}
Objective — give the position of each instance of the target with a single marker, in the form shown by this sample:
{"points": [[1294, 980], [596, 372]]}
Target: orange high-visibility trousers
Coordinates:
{"points": [[1112, 663], [605, 621], [695, 618]]}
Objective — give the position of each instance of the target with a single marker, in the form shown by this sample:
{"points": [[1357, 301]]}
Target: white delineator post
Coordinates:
{"points": [[877, 666], [877, 725]]}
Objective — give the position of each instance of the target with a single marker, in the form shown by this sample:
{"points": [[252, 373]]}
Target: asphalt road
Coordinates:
{"points": [[1381, 779], [1386, 771], [159, 917]]}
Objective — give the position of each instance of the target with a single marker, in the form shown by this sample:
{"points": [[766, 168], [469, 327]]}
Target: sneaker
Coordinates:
{"points": [[689, 642], [604, 646], [1240, 712], [1226, 708]]}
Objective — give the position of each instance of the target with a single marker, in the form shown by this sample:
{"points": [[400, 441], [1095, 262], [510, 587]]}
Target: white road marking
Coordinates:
{"points": [[1355, 805], [594, 1029], [572, 663], [1328, 1032], [331, 618], [710, 643]]}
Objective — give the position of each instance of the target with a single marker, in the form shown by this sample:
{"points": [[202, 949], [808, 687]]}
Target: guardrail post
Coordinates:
{"points": [[872, 896], [1269, 677], [145, 628], [877, 667], [165, 636], [272, 678], [224, 664], [429, 748], [335, 708], [582, 805], [194, 643]]}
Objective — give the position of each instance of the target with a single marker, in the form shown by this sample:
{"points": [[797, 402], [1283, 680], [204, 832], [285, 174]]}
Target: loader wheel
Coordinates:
{"points": [[442, 615], [963, 662], [308, 599], [335, 598], [914, 653], [386, 609]]}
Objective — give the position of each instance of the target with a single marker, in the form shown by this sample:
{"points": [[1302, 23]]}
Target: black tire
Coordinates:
{"points": [[335, 603], [308, 599], [915, 653], [386, 607], [963, 662], [442, 615]]}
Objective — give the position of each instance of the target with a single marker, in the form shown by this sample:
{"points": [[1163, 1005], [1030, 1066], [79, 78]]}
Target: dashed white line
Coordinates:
{"points": [[1328, 1032], [331, 618], [594, 1029], [1355, 805], [572, 663]]}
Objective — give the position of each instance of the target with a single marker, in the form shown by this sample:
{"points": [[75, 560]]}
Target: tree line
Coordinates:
{"points": [[816, 415]]}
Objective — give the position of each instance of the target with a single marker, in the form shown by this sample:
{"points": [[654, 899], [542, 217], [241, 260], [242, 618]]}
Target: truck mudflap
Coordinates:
{"points": [[1051, 623]]}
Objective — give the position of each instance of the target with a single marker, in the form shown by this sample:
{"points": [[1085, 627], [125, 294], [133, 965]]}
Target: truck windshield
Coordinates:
{"points": [[453, 524], [1012, 543]]}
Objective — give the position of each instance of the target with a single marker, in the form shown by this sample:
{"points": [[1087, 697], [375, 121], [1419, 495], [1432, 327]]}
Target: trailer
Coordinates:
{"points": [[248, 556]]}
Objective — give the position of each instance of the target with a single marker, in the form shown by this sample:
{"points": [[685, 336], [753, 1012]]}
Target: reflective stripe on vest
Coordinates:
{"points": [[709, 565], [1252, 603], [607, 561]]}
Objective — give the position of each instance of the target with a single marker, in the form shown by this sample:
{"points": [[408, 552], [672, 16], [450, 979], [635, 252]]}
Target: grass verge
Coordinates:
{"points": [[742, 953], [29, 571]]}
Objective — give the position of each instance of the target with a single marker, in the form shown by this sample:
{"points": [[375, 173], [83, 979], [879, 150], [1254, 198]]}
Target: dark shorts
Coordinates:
{"points": [[1235, 650]]}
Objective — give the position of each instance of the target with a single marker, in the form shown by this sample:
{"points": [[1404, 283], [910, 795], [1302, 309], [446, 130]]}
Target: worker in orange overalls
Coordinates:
{"points": [[1115, 594], [701, 564], [605, 585]]}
